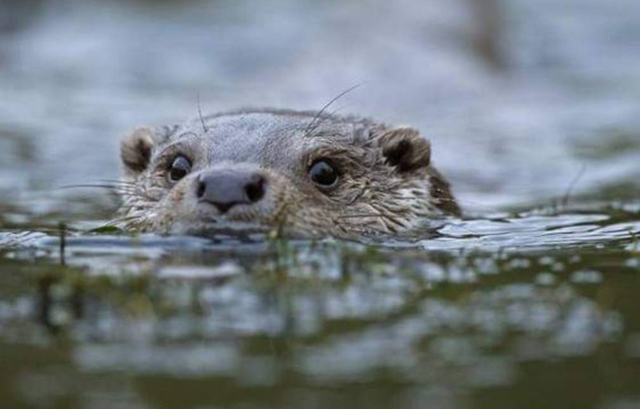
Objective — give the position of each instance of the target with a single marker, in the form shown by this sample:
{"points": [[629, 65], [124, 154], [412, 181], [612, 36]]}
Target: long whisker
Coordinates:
{"points": [[319, 123], [94, 185], [125, 190], [204, 126], [313, 123], [122, 219], [117, 181]]}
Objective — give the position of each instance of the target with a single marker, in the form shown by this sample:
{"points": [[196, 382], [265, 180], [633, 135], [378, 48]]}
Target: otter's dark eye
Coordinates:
{"points": [[323, 173], [180, 167]]}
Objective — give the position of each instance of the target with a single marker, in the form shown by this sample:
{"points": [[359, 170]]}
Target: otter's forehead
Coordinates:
{"points": [[270, 139]]}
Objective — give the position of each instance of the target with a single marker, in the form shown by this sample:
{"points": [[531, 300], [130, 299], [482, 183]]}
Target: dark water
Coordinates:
{"points": [[533, 110]]}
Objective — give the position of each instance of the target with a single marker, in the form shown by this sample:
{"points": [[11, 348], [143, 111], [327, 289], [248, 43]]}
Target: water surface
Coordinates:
{"points": [[531, 301]]}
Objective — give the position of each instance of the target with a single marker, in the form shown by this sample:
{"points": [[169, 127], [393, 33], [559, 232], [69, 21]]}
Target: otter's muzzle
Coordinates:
{"points": [[227, 188]]}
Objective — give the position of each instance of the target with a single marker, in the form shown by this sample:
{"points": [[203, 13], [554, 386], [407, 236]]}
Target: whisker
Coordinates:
{"points": [[116, 181], [122, 219], [311, 127], [319, 123], [130, 192], [204, 126], [92, 185]]}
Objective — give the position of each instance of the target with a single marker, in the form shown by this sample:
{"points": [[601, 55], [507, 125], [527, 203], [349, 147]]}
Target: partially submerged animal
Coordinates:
{"points": [[302, 174]]}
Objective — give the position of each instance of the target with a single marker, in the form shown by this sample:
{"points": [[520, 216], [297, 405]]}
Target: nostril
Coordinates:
{"points": [[202, 187], [254, 189]]}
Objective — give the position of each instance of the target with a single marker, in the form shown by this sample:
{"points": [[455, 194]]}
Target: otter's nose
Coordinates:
{"points": [[225, 189]]}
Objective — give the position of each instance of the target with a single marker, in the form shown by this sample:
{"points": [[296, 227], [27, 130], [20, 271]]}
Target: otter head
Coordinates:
{"points": [[295, 172]]}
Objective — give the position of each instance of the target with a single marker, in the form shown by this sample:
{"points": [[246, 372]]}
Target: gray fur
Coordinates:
{"points": [[376, 194]]}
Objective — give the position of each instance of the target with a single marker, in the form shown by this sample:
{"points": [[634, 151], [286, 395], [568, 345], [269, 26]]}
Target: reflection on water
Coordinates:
{"points": [[480, 319], [280, 321], [532, 108]]}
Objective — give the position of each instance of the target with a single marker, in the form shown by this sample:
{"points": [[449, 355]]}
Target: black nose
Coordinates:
{"points": [[226, 188]]}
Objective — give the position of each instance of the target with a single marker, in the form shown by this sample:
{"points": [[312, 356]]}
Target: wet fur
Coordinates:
{"points": [[387, 186]]}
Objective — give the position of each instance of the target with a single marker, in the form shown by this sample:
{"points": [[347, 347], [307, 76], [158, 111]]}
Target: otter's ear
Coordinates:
{"points": [[405, 149], [135, 150]]}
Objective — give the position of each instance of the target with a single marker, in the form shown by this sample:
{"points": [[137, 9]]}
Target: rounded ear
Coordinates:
{"points": [[405, 149], [135, 149]]}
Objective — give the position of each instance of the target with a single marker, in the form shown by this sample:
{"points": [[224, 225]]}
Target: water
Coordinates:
{"points": [[530, 301]]}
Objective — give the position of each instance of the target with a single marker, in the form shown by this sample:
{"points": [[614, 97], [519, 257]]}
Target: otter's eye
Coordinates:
{"points": [[180, 167], [323, 173]]}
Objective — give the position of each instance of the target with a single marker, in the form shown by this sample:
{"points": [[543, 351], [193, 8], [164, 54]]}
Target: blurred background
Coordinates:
{"points": [[519, 97], [533, 110]]}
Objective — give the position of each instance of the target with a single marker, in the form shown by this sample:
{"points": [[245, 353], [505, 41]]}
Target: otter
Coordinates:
{"points": [[298, 173]]}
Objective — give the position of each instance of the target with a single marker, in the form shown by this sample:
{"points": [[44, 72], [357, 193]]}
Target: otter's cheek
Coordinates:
{"points": [[178, 208]]}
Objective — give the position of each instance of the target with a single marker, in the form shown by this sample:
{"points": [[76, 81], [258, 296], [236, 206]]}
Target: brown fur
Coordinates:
{"points": [[387, 184]]}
